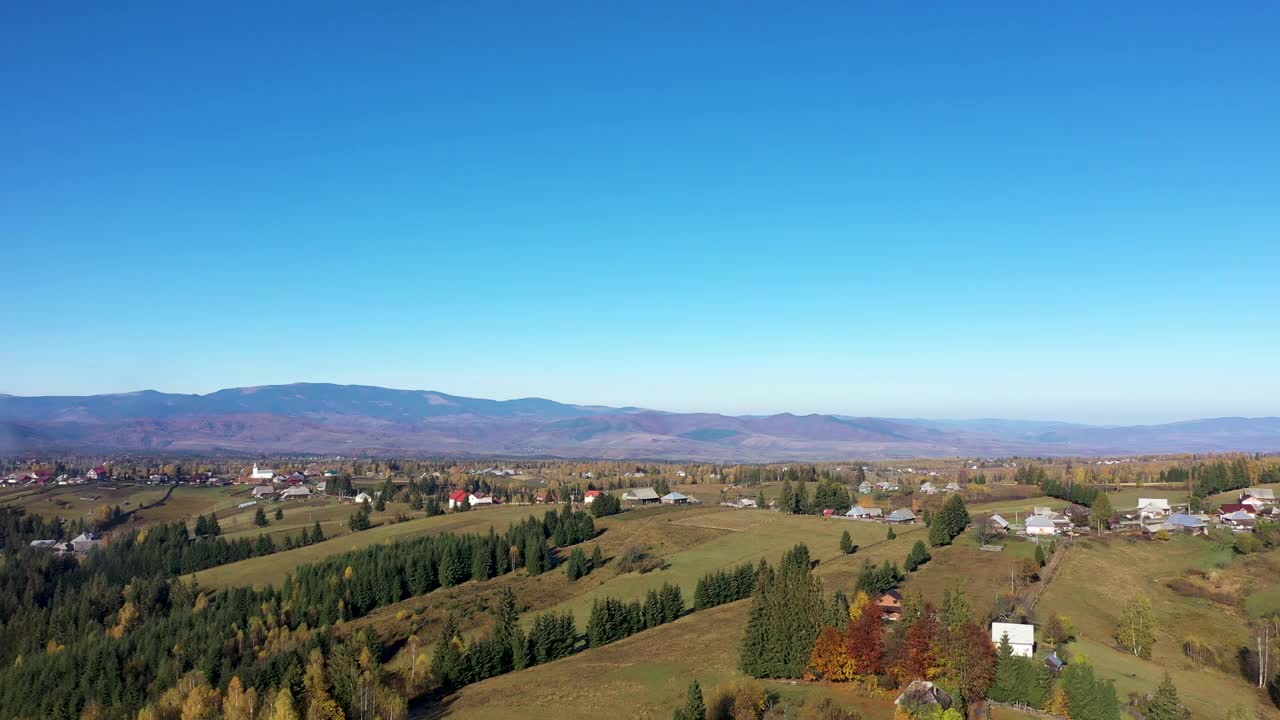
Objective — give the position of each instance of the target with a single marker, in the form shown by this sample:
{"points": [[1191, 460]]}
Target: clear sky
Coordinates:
{"points": [[1015, 209]]}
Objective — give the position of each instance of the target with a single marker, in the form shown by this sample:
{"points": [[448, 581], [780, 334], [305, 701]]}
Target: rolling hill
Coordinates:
{"points": [[356, 419]]}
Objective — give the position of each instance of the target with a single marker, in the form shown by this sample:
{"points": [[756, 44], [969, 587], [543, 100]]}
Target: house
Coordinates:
{"points": [[1239, 519], [43, 543], [995, 523], [261, 473], [865, 488], [1040, 525], [888, 486], [1021, 637], [320, 486], [1265, 495], [746, 503], [828, 512], [1189, 524], [331, 473], [544, 497], [456, 498], [84, 542], [296, 478], [1153, 508], [923, 699], [1055, 663], [674, 498], [901, 515], [263, 491], [927, 488], [864, 513], [890, 604], [1228, 508], [643, 496], [591, 496], [479, 498], [98, 473], [297, 492], [951, 487]]}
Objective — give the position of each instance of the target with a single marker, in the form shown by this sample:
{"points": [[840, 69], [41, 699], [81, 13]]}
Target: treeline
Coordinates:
{"points": [[948, 522], [1077, 493], [828, 495], [612, 619], [724, 586], [505, 649]]}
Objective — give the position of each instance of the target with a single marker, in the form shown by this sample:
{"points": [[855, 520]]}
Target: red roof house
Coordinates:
{"points": [[458, 497]]}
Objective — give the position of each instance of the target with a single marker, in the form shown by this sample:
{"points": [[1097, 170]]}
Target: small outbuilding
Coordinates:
{"points": [[675, 498], [901, 516]]}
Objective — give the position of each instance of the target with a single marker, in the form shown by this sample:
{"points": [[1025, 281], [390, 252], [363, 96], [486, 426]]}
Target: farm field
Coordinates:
{"points": [[80, 501]]}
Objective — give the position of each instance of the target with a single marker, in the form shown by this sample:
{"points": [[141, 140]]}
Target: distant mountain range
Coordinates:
{"points": [[358, 419]]}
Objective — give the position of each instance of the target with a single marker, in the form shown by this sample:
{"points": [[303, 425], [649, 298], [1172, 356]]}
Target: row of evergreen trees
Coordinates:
{"points": [[505, 649], [1077, 493], [828, 495], [612, 619], [724, 586]]}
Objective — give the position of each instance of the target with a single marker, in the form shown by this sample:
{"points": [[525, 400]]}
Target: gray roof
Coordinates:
{"points": [[640, 494], [1180, 520], [865, 512], [902, 514], [998, 521], [1039, 521], [673, 495]]}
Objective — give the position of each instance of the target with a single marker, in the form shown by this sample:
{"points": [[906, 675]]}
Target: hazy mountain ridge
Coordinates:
{"points": [[358, 419]]}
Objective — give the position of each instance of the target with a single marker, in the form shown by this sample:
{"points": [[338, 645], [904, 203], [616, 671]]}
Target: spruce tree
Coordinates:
{"points": [[259, 518], [597, 558], [279, 513], [1164, 704], [1040, 558], [694, 707], [846, 542], [891, 535]]}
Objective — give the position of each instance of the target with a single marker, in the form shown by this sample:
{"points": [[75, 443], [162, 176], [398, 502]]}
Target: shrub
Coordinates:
{"points": [[746, 700]]}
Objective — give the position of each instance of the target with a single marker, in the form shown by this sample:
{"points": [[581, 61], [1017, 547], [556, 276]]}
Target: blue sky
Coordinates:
{"points": [[1004, 209]]}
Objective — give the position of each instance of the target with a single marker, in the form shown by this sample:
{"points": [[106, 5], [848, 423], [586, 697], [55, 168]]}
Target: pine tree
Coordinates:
{"points": [[448, 665], [1040, 558], [918, 556], [786, 614], [694, 707], [1164, 704], [891, 535], [259, 518], [846, 542], [279, 513], [597, 558]]}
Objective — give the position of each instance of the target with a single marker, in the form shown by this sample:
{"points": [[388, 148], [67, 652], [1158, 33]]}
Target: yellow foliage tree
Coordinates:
{"points": [[1058, 704], [124, 619], [202, 703], [860, 603], [239, 704], [282, 708]]}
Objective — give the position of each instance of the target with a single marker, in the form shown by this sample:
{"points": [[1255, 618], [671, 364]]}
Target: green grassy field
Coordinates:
{"points": [[1097, 578], [1234, 495], [80, 501], [643, 676]]}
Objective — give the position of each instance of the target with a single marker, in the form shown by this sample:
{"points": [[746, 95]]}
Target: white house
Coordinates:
{"points": [[590, 497], [1021, 637], [927, 488], [363, 497], [480, 499], [952, 486], [261, 473], [1041, 525], [1266, 495], [1153, 507]]}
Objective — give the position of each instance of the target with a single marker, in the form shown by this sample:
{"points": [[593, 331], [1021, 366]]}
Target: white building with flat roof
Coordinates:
{"points": [[1021, 637]]}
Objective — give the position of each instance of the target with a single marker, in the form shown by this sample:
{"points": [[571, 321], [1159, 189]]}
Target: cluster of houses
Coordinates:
{"points": [[901, 516], [46, 477], [79, 545], [867, 487]]}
